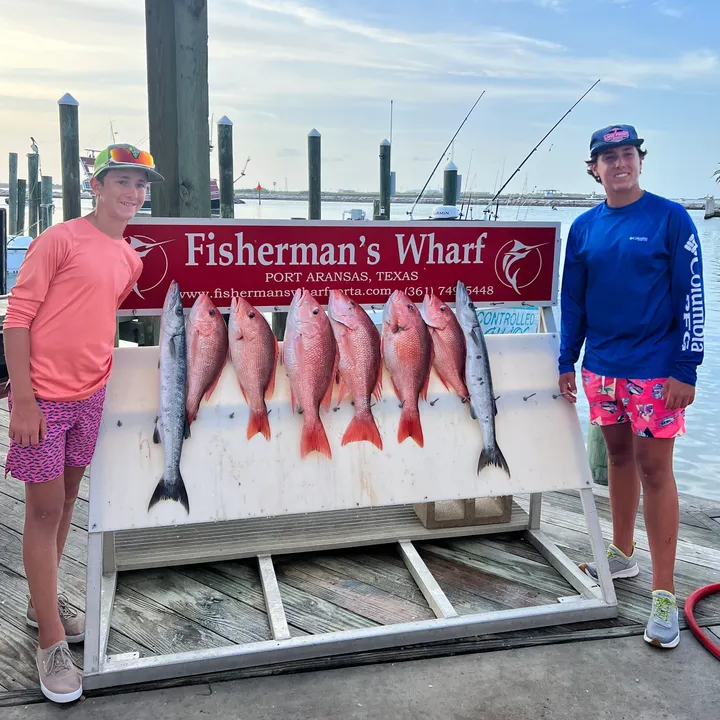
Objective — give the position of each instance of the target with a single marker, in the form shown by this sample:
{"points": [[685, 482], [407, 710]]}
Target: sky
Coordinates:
{"points": [[280, 68]]}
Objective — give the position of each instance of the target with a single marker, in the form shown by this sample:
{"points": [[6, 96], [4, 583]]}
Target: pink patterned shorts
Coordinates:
{"points": [[619, 400], [72, 432]]}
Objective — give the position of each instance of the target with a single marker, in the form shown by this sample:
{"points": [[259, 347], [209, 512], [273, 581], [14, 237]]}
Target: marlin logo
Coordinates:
{"points": [[143, 246], [514, 262]]}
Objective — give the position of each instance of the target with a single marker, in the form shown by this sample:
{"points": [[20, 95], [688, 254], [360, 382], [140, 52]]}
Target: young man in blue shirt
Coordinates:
{"points": [[632, 291]]}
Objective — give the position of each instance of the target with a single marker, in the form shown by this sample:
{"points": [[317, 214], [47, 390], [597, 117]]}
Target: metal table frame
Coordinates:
{"points": [[594, 600]]}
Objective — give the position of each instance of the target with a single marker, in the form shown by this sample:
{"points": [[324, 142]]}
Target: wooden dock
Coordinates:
{"points": [[208, 605]]}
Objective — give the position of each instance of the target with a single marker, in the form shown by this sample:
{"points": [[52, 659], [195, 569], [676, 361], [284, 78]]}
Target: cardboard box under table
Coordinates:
{"points": [[259, 499]]}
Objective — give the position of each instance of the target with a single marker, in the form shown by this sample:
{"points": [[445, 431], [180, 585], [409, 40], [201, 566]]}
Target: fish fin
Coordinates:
{"points": [[158, 363], [493, 456], [242, 390], [410, 426], [191, 414], [341, 391], [281, 352], [494, 406], [186, 432], [314, 438], [213, 385], [473, 414], [378, 390], [327, 399], [177, 493], [156, 433], [258, 423], [442, 379], [363, 427], [270, 389], [426, 383], [476, 336], [171, 346]]}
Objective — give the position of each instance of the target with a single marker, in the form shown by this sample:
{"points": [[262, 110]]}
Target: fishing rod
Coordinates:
{"points": [[517, 170], [417, 199]]}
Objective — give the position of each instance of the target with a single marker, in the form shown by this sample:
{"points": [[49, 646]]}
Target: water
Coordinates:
{"points": [[697, 461]]}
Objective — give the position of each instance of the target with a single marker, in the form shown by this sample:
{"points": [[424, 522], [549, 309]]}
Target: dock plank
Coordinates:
{"points": [[360, 597], [204, 605]]}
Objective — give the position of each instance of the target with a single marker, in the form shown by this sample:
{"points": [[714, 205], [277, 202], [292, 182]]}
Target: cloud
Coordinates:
{"points": [[664, 8], [289, 152]]}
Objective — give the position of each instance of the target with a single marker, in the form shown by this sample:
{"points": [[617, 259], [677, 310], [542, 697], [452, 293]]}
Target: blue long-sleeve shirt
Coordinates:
{"points": [[632, 290]]}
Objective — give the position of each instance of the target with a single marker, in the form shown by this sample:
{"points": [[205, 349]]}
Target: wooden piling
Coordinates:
{"points": [[597, 455], [70, 156], [384, 180], [4, 233], [314, 192], [33, 187], [225, 162], [46, 203], [176, 34], [12, 197], [21, 199], [450, 184]]}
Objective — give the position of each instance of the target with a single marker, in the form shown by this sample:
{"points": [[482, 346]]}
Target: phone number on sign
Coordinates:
{"points": [[449, 291]]}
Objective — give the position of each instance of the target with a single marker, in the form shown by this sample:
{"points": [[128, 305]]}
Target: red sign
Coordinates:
{"points": [[266, 261]]}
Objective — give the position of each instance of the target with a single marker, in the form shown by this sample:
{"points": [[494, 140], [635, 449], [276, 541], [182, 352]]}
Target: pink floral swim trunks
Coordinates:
{"points": [[72, 432], [638, 401]]}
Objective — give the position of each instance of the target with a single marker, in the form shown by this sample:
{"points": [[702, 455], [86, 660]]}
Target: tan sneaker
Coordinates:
{"points": [[71, 619], [60, 679]]}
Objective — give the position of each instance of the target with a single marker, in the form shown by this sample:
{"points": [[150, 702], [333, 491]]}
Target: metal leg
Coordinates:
{"points": [[93, 604], [433, 593], [273, 601], [584, 584], [535, 511], [598, 546], [109, 553]]}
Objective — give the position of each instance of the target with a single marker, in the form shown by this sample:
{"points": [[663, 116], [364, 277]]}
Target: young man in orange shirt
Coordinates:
{"points": [[59, 338]]}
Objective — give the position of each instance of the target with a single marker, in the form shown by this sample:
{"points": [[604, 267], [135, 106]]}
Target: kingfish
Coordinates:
{"points": [[479, 380], [171, 424]]}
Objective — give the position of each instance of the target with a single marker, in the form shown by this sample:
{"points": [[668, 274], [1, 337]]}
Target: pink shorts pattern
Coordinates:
{"points": [[638, 401], [72, 432]]}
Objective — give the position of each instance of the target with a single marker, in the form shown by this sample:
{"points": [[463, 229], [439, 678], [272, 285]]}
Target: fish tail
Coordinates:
{"points": [[363, 427], [314, 438], [410, 426], [165, 491], [492, 455], [258, 423]]}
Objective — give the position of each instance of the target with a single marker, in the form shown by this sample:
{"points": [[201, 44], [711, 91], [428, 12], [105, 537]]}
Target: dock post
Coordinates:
{"points": [[450, 184], [384, 181], [597, 455], [12, 197], [225, 161], [33, 187], [70, 156], [46, 202], [21, 198], [4, 221], [314, 192], [176, 36]]}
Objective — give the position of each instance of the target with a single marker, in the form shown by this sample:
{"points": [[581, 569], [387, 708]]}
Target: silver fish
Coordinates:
{"points": [[479, 380], [171, 425]]}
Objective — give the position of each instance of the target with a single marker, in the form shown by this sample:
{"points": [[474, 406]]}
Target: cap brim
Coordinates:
{"points": [[608, 146], [152, 175]]}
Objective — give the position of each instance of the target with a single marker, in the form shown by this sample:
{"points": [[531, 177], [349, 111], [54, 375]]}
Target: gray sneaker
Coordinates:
{"points": [[60, 680], [72, 621], [621, 566], [662, 629]]}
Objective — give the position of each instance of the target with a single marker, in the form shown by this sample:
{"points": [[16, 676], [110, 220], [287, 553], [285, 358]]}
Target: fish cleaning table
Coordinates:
{"points": [[259, 499]]}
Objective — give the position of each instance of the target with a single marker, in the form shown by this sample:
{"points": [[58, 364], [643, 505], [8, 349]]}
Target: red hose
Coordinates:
{"points": [[690, 603]]}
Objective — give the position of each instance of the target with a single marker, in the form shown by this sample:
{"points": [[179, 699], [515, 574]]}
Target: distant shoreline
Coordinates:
{"points": [[434, 198]]}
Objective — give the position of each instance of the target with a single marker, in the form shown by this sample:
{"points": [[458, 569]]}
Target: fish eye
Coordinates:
{"points": [[411, 307], [179, 310], [352, 303], [251, 314], [315, 311], [212, 312], [443, 308]]}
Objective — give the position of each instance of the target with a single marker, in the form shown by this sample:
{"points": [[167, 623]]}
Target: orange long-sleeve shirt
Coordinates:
{"points": [[70, 284]]}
